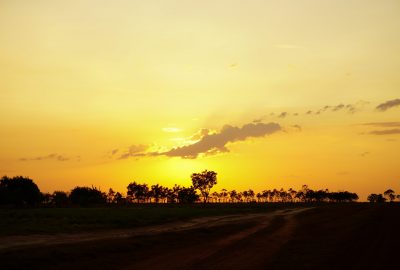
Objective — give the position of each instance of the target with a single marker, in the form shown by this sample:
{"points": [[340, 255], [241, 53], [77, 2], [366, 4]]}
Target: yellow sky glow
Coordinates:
{"points": [[83, 83]]}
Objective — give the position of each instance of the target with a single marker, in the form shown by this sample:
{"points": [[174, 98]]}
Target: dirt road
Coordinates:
{"points": [[201, 243]]}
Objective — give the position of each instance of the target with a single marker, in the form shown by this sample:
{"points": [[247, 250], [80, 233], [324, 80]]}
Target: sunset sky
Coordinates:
{"points": [[269, 94]]}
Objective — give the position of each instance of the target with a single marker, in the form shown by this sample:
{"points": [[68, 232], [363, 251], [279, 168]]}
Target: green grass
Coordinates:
{"points": [[66, 220]]}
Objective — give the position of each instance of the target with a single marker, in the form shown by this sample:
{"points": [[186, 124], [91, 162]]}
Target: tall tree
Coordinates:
{"points": [[204, 181]]}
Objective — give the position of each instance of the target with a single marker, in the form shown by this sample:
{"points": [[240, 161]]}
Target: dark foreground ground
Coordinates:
{"points": [[340, 236]]}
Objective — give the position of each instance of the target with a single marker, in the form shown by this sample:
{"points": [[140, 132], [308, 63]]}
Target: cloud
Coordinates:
{"points": [[385, 132], [200, 134], [388, 104], [363, 154], [134, 151], [298, 127], [350, 108], [383, 124], [283, 114], [337, 107], [54, 156], [211, 144]]}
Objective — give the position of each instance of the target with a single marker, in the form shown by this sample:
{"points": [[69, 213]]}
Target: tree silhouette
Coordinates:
{"points": [[14, 191], [46, 198], [204, 181], [85, 196], [138, 192], [157, 192], [223, 194], [172, 194], [233, 195], [376, 198], [389, 194], [110, 196], [60, 198], [19, 190], [187, 195]]}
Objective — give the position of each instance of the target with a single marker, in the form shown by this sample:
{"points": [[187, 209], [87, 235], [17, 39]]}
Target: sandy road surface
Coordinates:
{"points": [[249, 248]]}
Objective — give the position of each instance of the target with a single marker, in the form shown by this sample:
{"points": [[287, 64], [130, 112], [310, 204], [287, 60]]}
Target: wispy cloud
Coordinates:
{"points": [[133, 151], [54, 156], [297, 127], [349, 108], [215, 143], [383, 124], [388, 105], [385, 132]]}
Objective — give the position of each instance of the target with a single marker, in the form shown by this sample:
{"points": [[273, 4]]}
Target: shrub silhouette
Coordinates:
{"points": [[84, 196], [19, 191]]}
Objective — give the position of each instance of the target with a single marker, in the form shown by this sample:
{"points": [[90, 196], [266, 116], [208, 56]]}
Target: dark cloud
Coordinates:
{"points": [[388, 104], [54, 156], [383, 124], [200, 134], [216, 143], [385, 132], [282, 114], [337, 107], [350, 108], [134, 151]]}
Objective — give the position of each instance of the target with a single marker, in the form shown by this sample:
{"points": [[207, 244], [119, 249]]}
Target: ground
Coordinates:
{"points": [[268, 236]]}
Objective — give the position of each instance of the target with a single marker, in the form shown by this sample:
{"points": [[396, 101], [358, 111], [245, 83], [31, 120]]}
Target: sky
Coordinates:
{"points": [[268, 94]]}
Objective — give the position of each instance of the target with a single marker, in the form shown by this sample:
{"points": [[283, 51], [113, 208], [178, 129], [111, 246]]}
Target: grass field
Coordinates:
{"points": [[332, 236], [69, 220]]}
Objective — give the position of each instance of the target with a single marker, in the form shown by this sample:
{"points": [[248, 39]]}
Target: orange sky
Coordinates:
{"points": [[269, 94]]}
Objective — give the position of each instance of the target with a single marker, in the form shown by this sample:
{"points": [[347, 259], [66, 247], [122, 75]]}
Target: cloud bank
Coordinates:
{"points": [[210, 144]]}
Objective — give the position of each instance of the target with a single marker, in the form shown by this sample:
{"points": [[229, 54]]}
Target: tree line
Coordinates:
{"points": [[388, 195], [23, 191]]}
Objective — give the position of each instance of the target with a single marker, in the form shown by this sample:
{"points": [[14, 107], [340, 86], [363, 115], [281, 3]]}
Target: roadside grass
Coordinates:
{"points": [[357, 236]]}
